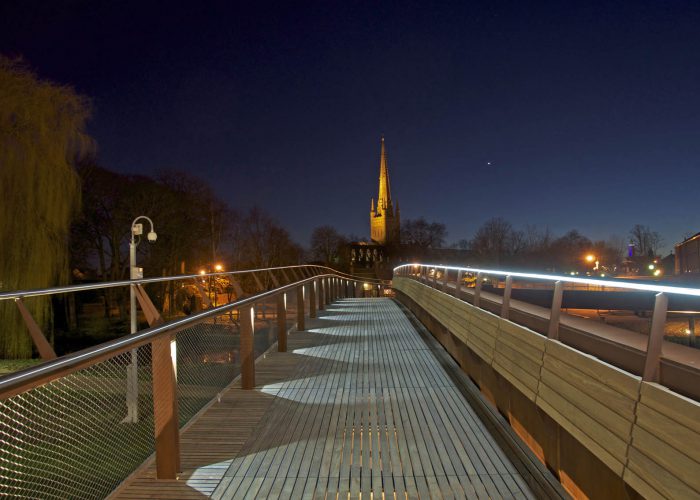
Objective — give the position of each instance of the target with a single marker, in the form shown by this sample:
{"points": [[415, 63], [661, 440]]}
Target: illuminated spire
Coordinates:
{"points": [[372, 209], [384, 200]]}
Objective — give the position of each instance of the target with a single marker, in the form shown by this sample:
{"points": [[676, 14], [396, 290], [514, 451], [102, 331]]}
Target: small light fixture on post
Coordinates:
{"points": [[135, 273]]}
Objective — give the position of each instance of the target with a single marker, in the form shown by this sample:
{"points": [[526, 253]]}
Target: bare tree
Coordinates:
{"points": [[424, 234], [646, 241], [264, 243], [327, 244], [494, 240]]}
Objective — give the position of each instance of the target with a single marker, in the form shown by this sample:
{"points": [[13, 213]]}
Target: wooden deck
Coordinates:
{"points": [[358, 406]]}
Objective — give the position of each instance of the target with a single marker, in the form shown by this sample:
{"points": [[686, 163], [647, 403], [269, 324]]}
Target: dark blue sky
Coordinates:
{"points": [[589, 114]]}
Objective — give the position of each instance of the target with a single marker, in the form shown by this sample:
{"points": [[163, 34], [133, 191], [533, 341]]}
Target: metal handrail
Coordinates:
{"points": [[565, 279], [19, 294], [28, 378], [653, 353]]}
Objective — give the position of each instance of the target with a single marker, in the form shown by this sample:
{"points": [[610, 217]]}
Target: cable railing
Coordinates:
{"points": [[673, 365], [78, 425]]}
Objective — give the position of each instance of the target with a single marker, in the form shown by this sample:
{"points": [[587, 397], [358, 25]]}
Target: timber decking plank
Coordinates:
{"points": [[357, 406]]}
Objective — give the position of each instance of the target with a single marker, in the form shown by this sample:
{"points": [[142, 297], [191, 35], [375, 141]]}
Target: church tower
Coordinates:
{"points": [[384, 220]]}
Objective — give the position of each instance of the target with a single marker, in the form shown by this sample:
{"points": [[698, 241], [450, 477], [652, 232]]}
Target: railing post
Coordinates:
{"points": [[165, 412], [358, 290], [505, 305], [247, 319], [458, 284], [282, 322], [691, 331], [477, 289], [444, 281], [300, 308], [434, 285], [321, 293], [312, 298], [656, 338], [555, 313], [42, 345]]}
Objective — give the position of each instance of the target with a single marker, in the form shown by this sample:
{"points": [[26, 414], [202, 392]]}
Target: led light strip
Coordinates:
{"points": [[567, 279]]}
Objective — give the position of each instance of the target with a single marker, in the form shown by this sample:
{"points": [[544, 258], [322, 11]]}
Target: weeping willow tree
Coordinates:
{"points": [[42, 134]]}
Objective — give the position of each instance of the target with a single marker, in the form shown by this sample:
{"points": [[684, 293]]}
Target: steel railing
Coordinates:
{"points": [[450, 279], [77, 426]]}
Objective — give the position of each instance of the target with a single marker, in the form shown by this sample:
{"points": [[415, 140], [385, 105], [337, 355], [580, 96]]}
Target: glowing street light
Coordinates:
{"points": [[590, 258]]}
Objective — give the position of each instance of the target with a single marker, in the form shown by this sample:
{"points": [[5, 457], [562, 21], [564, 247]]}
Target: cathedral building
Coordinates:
{"points": [[371, 257], [385, 219]]}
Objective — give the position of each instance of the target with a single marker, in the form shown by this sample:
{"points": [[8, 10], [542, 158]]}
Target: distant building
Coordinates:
{"points": [[371, 258], [688, 255], [385, 219]]}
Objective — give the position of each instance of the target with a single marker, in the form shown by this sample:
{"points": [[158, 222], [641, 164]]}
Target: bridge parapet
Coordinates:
{"points": [[76, 426], [604, 430]]}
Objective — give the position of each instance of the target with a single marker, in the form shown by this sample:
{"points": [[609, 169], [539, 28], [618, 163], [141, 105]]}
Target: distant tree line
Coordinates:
{"points": [[497, 243], [196, 229], [63, 212], [65, 217]]}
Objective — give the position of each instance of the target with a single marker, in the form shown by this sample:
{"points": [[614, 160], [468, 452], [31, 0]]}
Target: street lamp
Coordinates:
{"points": [[135, 273], [590, 258]]}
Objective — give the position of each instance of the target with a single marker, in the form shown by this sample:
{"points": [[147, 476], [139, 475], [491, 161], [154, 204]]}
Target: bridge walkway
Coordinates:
{"points": [[359, 405]]}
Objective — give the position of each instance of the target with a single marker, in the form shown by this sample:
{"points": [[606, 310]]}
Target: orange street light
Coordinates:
{"points": [[219, 267], [590, 257]]}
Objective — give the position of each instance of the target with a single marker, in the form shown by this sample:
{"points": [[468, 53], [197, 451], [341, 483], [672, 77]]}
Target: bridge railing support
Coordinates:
{"points": [[458, 284], [247, 321], [555, 312], [282, 322], [312, 298], [321, 290], [656, 337], [505, 305], [300, 308], [477, 289]]}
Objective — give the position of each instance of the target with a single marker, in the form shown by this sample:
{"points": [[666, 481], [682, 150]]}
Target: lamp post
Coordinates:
{"points": [[135, 273], [218, 268]]}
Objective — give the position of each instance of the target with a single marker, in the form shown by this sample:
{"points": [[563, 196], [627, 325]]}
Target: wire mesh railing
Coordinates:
{"points": [[77, 426], [64, 439]]}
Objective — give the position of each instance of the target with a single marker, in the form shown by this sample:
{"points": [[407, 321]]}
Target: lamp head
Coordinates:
{"points": [[152, 236]]}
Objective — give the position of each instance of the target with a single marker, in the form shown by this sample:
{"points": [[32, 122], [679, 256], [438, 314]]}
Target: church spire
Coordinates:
{"points": [[384, 199], [384, 217]]}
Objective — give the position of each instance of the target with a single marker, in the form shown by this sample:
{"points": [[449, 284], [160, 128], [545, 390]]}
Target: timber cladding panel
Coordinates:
{"points": [[644, 433], [593, 401], [664, 458], [518, 357]]}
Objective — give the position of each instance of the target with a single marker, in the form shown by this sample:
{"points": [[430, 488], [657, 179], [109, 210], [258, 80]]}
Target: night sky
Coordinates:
{"points": [[588, 114]]}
